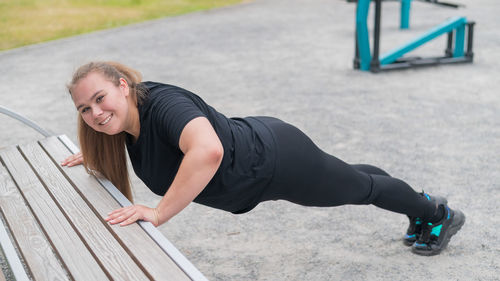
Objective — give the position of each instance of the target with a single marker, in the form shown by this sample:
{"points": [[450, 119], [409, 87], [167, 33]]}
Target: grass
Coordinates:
{"points": [[24, 22]]}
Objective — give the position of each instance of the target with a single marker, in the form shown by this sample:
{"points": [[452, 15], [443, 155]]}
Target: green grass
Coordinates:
{"points": [[24, 22]]}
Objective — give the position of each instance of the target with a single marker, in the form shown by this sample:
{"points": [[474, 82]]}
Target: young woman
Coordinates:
{"points": [[184, 150]]}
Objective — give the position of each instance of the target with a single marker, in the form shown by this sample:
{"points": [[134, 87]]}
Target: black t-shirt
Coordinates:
{"points": [[249, 148]]}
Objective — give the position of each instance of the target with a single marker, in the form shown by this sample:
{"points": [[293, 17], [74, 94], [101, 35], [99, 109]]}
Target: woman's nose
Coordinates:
{"points": [[96, 111]]}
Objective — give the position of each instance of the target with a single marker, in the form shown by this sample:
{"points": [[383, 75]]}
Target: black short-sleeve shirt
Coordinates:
{"points": [[249, 148]]}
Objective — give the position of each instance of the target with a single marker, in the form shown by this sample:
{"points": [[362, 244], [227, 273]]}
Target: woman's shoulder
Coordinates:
{"points": [[155, 88], [167, 93]]}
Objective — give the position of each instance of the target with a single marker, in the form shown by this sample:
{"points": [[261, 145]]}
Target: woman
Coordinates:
{"points": [[184, 150]]}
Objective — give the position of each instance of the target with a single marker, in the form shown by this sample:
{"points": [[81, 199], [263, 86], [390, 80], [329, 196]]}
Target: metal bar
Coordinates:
{"points": [[446, 4], [455, 60], [470, 37], [424, 62], [10, 253], [362, 34], [183, 263], [405, 14], [445, 27], [375, 63], [459, 41], [449, 45], [356, 61], [25, 120]]}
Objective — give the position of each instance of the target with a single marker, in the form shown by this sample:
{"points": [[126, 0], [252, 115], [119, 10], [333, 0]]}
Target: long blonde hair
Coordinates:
{"points": [[101, 152]]}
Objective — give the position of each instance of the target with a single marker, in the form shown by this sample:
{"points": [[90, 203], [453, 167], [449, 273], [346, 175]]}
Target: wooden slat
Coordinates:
{"points": [[118, 264], [79, 262], [33, 245], [10, 254], [154, 260]]}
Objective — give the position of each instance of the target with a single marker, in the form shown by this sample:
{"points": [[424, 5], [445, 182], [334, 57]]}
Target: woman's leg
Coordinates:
{"points": [[308, 176]]}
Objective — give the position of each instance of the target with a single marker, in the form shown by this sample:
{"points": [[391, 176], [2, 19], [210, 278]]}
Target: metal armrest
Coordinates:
{"points": [[25, 120]]}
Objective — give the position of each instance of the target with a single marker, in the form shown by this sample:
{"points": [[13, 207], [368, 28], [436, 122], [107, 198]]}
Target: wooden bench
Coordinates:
{"points": [[53, 223]]}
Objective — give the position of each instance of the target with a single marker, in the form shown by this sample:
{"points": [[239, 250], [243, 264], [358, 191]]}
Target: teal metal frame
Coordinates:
{"points": [[393, 59], [457, 23], [405, 14]]}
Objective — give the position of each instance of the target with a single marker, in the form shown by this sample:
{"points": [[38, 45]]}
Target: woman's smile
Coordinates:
{"points": [[106, 120]]}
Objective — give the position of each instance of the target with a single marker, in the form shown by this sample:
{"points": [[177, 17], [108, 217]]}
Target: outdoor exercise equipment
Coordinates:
{"points": [[455, 28]]}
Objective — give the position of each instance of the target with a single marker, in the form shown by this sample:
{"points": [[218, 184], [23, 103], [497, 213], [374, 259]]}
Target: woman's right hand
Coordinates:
{"points": [[73, 160]]}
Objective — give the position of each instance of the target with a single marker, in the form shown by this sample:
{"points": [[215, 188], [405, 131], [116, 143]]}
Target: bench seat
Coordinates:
{"points": [[55, 215]]}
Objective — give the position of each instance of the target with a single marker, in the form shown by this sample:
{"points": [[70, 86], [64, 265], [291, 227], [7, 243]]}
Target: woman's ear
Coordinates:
{"points": [[124, 87]]}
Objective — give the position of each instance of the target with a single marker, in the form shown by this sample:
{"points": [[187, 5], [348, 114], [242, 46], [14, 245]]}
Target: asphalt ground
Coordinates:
{"points": [[437, 128]]}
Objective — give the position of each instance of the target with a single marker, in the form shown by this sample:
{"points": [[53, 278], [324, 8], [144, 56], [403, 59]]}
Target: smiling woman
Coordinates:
{"points": [[186, 151], [24, 22]]}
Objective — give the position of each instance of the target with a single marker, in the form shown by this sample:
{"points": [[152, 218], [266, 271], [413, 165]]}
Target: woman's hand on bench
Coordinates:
{"points": [[128, 215], [73, 160]]}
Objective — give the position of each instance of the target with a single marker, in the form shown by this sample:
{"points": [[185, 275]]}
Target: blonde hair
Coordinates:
{"points": [[101, 152]]}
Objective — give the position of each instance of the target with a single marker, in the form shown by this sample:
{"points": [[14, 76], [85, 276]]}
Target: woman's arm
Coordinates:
{"points": [[203, 154]]}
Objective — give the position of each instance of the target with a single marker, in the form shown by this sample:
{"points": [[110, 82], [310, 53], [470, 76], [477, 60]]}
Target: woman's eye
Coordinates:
{"points": [[85, 110], [99, 99]]}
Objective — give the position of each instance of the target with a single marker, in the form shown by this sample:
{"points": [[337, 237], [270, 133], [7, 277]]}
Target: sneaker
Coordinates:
{"points": [[415, 227], [435, 237], [413, 231]]}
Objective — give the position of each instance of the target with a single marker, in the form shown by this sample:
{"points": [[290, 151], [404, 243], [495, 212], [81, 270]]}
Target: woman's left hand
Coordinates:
{"points": [[128, 215]]}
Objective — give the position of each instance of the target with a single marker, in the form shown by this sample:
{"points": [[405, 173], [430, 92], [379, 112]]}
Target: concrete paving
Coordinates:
{"points": [[436, 128]]}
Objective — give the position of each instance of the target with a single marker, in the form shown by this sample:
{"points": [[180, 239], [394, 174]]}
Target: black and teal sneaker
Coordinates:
{"points": [[415, 227], [413, 231], [435, 237]]}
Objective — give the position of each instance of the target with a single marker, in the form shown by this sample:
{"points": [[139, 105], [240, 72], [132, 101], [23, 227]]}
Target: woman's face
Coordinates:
{"points": [[102, 105]]}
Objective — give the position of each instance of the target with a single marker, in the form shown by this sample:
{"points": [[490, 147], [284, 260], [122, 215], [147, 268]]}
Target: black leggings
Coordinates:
{"points": [[308, 176]]}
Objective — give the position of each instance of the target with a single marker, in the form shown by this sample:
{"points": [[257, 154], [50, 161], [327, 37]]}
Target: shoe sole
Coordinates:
{"points": [[408, 242], [439, 200], [458, 222]]}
